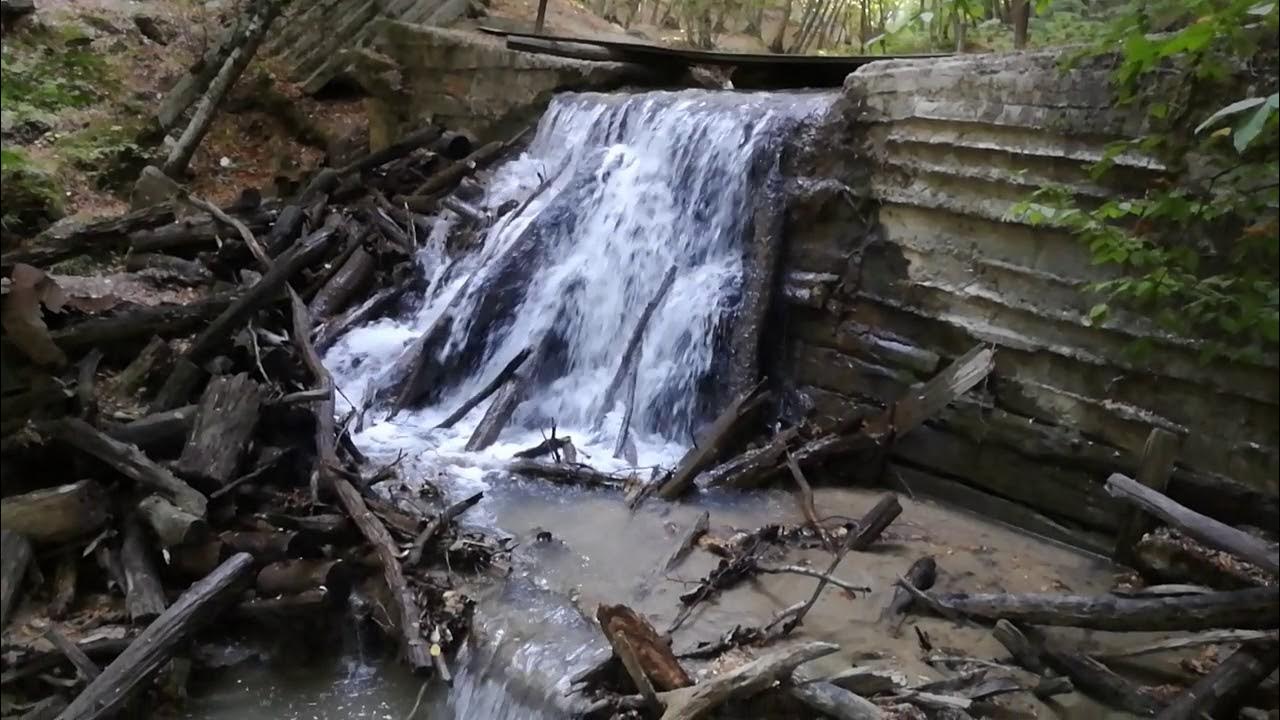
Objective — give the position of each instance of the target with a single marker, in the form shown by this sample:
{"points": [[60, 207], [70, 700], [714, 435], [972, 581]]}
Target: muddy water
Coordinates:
{"points": [[531, 633]]}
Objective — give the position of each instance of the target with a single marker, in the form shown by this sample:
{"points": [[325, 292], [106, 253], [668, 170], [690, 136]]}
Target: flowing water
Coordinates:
{"points": [[612, 191]]}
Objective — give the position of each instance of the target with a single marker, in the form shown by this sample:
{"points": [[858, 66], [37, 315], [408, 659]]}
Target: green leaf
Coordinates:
{"points": [[1249, 131], [1098, 313], [1234, 108]]}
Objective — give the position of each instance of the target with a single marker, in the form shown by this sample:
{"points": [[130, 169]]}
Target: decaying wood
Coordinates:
{"points": [[752, 467], [326, 458], [422, 197], [129, 672], [351, 278], [409, 621], [1205, 529], [656, 663], [833, 701], [1165, 555], [804, 499], [687, 542], [712, 443], [741, 682], [1211, 637], [66, 240], [225, 421], [437, 523], [138, 324], [129, 461], [288, 577], [366, 311], [1219, 693], [15, 555], [1035, 653], [271, 612], [56, 514], [65, 577], [87, 668], [144, 595], [566, 474], [168, 267], [196, 561], [1257, 608], [509, 396], [267, 546], [173, 525], [922, 574], [157, 431], [154, 359], [513, 365], [178, 389]]}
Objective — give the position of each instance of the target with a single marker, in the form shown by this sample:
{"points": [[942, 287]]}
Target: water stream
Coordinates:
{"points": [[612, 191]]}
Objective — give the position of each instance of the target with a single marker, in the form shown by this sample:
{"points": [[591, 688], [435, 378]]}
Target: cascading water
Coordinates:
{"points": [[634, 185], [612, 191]]}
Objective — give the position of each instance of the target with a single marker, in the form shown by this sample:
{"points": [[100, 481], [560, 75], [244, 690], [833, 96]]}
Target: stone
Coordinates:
{"points": [[33, 197]]}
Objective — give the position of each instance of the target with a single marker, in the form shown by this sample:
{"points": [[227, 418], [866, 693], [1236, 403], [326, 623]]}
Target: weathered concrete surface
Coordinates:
{"points": [[901, 256], [471, 81]]}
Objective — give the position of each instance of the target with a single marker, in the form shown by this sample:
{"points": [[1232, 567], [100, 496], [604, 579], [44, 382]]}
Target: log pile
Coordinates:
{"points": [[193, 469]]}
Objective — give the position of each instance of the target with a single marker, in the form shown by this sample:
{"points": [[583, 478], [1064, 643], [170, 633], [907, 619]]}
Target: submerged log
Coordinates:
{"points": [[713, 443], [687, 542], [144, 595], [1218, 694], [15, 555], [498, 381], [56, 514], [225, 421], [631, 353], [129, 672], [1252, 609], [1033, 651], [130, 462], [366, 311], [1205, 529], [922, 574]]}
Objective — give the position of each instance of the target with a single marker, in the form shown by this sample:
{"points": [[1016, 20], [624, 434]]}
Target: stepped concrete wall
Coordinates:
{"points": [[901, 256]]}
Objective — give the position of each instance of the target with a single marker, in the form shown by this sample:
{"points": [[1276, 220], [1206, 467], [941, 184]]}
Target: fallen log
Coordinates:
{"points": [[64, 241], [157, 431], [196, 561], [351, 278], [329, 332], [56, 514], [1166, 556], [155, 359], [1218, 694], [566, 473], [143, 594], [15, 555], [741, 682], [922, 574], [173, 525], [129, 461], [184, 381], [85, 667], [1035, 653], [267, 546], [713, 443], [137, 324], [1205, 529], [1257, 608], [631, 353], [129, 672], [752, 467], [271, 612], [1211, 637], [687, 542], [326, 457], [285, 229], [437, 523], [206, 107], [225, 420], [168, 267], [192, 234], [498, 381], [833, 701], [407, 617], [65, 577], [302, 254], [288, 577], [650, 654], [423, 197]]}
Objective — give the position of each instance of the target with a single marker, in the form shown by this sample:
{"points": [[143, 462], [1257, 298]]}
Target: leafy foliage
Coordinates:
{"points": [[58, 73], [1200, 252]]}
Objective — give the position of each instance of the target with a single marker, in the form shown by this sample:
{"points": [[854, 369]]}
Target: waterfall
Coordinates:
{"points": [[612, 191]]}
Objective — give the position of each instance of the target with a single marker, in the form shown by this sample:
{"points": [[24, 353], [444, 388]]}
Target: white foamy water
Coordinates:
{"points": [[636, 184]]}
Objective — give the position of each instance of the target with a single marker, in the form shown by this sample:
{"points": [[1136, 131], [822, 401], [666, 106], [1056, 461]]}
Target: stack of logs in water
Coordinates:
{"points": [[185, 465]]}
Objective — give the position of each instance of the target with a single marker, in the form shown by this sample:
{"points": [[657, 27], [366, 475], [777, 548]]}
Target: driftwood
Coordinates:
{"points": [[288, 577], [712, 443], [1218, 694], [566, 473], [804, 499], [129, 672], [130, 462], [325, 438], [687, 542], [505, 374], [15, 555], [644, 653], [833, 701], [1251, 609], [56, 514], [1035, 653], [922, 574], [173, 525], [225, 421], [1205, 529], [144, 595], [442, 520], [631, 353], [408, 619], [741, 682]]}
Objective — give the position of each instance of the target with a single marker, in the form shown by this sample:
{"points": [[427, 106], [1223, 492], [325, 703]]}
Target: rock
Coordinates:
{"points": [[151, 29], [11, 10], [32, 197]]}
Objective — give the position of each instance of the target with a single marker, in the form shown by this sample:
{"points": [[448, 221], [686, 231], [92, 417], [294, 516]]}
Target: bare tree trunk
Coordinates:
{"points": [[863, 26], [775, 46], [1021, 19]]}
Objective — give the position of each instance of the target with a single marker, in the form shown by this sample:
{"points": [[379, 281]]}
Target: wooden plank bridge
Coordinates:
{"points": [[750, 70]]}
